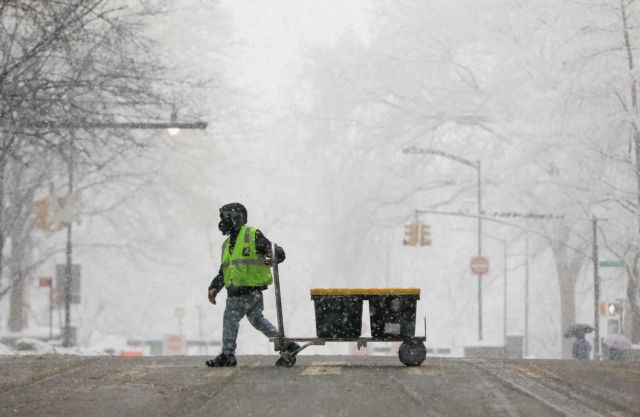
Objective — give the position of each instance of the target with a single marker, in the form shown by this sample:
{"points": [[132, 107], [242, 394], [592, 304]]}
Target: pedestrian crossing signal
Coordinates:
{"points": [[614, 308]]}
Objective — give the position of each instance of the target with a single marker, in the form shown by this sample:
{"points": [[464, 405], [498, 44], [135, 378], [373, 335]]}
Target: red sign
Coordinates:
{"points": [[174, 345], [479, 265], [130, 353], [45, 281]]}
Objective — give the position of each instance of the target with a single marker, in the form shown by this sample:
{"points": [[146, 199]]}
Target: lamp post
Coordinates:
{"points": [[477, 166], [173, 128], [526, 294], [66, 335], [504, 285], [596, 290]]}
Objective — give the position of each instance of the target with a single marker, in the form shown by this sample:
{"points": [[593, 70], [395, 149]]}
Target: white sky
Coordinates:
{"points": [[273, 33]]}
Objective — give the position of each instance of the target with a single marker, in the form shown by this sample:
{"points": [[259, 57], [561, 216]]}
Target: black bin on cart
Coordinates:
{"points": [[338, 313], [392, 312]]}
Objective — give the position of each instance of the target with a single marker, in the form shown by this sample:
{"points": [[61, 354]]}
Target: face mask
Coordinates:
{"points": [[229, 221], [225, 227]]}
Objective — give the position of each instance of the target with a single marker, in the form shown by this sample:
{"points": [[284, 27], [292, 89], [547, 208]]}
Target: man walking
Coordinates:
{"points": [[245, 273]]}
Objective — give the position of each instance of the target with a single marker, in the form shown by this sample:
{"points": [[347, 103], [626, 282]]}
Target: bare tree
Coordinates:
{"points": [[64, 66]]}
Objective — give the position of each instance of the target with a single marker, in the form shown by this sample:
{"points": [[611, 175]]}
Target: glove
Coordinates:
{"points": [[269, 261], [212, 295]]}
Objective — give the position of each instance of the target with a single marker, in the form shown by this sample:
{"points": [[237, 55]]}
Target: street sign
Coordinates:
{"points": [[479, 265], [612, 264], [174, 345], [45, 281]]}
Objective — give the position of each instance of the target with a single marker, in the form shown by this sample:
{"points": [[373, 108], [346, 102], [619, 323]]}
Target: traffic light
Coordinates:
{"points": [[411, 234], [41, 213], [614, 308], [45, 213], [425, 234]]}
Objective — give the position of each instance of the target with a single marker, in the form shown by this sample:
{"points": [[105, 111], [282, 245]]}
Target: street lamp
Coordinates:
{"points": [[173, 129], [477, 166]]}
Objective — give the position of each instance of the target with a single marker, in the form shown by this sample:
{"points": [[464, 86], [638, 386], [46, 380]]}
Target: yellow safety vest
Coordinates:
{"points": [[244, 267]]}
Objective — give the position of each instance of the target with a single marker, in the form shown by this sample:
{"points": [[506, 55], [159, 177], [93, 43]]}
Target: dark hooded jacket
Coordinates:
{"points": [[263, 247]]}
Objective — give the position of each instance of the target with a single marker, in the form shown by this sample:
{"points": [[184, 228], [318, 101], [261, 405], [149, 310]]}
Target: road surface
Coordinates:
{"points": [[318, 386]]}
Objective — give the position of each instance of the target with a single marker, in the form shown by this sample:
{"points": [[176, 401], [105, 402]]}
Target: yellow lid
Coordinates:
{"points": [[365, 291]]}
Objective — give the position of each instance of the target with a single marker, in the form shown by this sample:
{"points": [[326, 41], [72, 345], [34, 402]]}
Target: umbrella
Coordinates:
{"points": [[577, 330], [617, 341]]}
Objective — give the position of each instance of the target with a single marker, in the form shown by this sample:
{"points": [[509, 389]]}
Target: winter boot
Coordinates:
{"points": [[223, 359]]}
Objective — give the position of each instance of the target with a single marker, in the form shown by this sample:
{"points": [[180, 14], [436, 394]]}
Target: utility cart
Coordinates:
{"points": [[338, 311]]}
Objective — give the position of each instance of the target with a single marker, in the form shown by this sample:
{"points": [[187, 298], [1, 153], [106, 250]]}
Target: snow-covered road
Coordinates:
{"points": [[55, 385]]}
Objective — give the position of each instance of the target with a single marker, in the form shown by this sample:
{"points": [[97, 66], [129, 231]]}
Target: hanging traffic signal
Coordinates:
{"points": [[41, 213], [425, 234], [411, 234]]}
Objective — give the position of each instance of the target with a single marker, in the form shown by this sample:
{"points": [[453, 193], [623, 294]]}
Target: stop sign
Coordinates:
{"points": [[479, 265], [174, 345]]}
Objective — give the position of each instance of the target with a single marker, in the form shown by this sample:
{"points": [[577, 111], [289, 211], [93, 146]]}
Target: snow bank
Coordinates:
{"points": [[6, 350]]}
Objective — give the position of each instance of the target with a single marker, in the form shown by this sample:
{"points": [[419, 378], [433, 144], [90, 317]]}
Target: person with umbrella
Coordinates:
{"points": [[581, 348], [616, 345]]}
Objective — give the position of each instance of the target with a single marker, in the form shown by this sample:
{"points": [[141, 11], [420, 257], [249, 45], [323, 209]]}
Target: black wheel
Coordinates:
{"points": [[287, 360], [412, 352]]}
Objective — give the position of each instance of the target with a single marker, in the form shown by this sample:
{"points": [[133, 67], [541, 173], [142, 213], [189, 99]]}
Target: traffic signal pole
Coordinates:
{"points": [[479, 249], [66, 334], [504, 292], [596, 292], [173, 124], [526, 293], [528, 233]]}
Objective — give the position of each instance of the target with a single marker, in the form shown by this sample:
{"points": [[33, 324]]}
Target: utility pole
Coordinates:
{"points": [[504, 295], [478, 166], [526, 295], [66, 335], [479, 249], [596, 291]]}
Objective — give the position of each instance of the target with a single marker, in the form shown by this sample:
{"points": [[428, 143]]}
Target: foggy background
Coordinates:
{"points": [[310, 105]]}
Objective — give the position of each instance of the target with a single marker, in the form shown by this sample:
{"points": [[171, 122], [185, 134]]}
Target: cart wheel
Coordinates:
{"points": [[412, 352], [287, 360]]}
